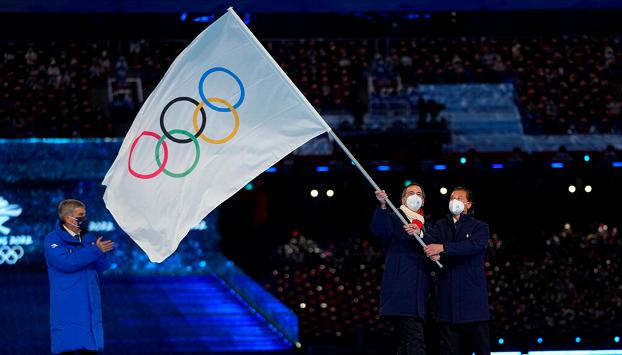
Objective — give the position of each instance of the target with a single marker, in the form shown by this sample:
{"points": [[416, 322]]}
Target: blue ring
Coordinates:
{"points": [[212, 106]]}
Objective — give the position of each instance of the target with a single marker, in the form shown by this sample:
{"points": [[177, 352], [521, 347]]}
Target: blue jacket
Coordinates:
{"points": [[74, 270], [406, 277], [461, 293]]}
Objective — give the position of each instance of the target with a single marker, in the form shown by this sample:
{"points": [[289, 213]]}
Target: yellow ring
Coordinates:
{"points": [[235, 116]]}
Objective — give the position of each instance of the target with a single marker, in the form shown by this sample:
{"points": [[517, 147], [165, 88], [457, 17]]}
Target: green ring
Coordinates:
{"points": [[196, 159]]}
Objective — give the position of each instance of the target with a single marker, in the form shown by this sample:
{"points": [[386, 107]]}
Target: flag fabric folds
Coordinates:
{"points": [[223, 113]]}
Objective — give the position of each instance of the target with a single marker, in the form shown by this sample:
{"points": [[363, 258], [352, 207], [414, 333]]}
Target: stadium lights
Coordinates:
{"points": [[314, 193], [330, 193], [588, 188], [322, 168], [443, 191], [557, 165], [572, 189]]}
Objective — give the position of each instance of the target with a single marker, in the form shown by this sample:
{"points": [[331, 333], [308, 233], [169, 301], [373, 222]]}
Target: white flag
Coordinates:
{"points": [[223, 113]]}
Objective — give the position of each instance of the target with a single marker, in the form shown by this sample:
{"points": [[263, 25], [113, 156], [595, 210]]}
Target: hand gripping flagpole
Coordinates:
{"points": [[312, 109]]}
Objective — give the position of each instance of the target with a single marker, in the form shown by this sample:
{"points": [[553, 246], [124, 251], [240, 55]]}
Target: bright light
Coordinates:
{"points": [[497, 166], [572, 189], [586, 158], [577, 339], [249, 186], [557, 165], [501, 341], [588, 188], [443, 191], [303, 306], [321, 168], [440, 167], [540, 340], [314, 193], [463, 160], [383, 167], [616, 339], [271, 169], [330, 193], [407, 182]]}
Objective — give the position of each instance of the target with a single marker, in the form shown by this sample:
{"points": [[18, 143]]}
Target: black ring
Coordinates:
{"points": [[168, 135]]}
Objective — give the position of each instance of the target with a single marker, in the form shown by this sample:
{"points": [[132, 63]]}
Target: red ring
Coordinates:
{"points": [[160, 169]]}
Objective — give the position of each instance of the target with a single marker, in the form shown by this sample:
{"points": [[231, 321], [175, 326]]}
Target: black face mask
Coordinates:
{"points": [[82, 223]]}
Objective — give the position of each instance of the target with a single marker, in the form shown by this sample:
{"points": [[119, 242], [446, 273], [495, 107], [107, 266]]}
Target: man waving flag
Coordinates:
{"points": [[223, 113]]}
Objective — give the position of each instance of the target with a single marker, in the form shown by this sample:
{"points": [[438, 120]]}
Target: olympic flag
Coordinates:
{"points": [[223, 113]]}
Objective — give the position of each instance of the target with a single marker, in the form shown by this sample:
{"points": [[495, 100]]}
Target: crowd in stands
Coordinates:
{"points": [[564, 84], [567, 283]]}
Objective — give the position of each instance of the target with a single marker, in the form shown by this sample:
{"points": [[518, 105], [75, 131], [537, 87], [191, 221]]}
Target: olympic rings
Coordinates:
{"points": [[235, 117], [199, 130], [206, 101], [160, 168], [10, 254], [196, 158]]}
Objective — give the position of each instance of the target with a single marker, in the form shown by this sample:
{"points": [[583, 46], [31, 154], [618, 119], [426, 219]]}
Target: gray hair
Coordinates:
{"points": [[66, 207]]}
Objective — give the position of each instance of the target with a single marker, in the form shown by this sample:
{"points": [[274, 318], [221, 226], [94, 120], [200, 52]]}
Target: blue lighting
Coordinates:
{"points": [[384, 168], [616, 339], [463, 160], [183, 17], [249, 186], [271, 170], [577, 339], [202, 263], [203, 18], [321, 168], [497, 166], [412, 16], [247, 18], [440, 167], [407, 182], [501, 341], [540, 340], [617, 164], [557, 165], [586, 157]]}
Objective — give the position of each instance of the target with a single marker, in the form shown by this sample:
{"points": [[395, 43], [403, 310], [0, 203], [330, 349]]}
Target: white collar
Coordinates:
{"points": [[72, 233]]}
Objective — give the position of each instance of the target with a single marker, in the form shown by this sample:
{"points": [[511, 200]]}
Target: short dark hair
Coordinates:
{"points": [[66, 207], [410, 185]]}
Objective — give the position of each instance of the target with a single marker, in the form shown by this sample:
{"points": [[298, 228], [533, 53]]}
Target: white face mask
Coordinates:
{"points": [[414, 203], [456, 207]]}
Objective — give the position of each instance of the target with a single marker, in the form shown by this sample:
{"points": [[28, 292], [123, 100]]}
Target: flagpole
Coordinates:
{"points": [[312, 109]]}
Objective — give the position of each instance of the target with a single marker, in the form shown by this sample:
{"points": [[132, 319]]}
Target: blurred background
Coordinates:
{"points": [[520, 101]]}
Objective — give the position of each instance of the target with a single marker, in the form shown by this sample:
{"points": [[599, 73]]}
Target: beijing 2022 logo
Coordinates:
{"points": [[205, 101], [11, 249]]}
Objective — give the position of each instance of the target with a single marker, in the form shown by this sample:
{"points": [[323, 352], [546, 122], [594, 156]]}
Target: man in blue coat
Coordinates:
{"points": [[462, 294], [76, 261], [405, 280]]}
